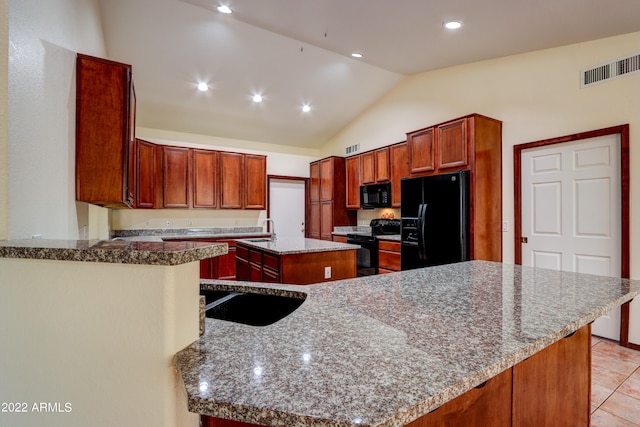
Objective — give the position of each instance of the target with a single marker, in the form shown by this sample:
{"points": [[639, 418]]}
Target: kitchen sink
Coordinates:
{"points": [[249, 308]]}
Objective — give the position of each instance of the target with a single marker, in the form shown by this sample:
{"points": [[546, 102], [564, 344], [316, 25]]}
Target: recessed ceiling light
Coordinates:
{"points": [[203, 87], [357, 55], [257, 98], [306, 108], [452, 25], [224, 9]]}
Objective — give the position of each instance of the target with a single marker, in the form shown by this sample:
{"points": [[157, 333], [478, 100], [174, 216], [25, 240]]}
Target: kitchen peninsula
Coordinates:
{"points": [[294, 260], [90, 329], [473, 343]]}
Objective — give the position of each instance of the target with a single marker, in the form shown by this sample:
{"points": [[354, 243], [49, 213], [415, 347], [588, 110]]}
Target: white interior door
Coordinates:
{"points": [[571, 211], [286, 206]]}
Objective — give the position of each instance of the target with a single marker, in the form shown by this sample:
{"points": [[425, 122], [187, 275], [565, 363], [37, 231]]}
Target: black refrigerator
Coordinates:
{"points": [[435, 220]]}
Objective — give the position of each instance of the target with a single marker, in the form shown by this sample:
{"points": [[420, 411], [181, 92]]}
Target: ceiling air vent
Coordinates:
{"points": [[352, 149], [610, 70]]}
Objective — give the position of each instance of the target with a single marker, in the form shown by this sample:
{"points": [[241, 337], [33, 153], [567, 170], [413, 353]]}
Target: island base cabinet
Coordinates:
{"points": [[553, 387], [219, 422], [487, 405]]}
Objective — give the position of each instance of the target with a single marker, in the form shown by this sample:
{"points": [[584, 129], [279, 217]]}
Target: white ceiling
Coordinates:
{"points": [[298, 51]]}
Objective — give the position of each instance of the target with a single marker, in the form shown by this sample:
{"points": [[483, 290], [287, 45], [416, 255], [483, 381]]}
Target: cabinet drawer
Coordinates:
{"points": [[389, 260], [385, 245], [242, 252], [255, 256], [270, 261], [270, 276]]}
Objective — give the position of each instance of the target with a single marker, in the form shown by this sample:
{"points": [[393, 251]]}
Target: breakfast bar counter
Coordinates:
{"points": [[90, 329], [388, 350]]}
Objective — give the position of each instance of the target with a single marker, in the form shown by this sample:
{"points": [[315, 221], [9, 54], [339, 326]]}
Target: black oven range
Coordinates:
{"points": [[367, 255]]}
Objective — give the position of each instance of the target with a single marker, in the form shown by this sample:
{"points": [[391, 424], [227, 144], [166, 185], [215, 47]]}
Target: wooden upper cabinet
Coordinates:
{"points": [[326, 179], [255, 167], [399, 168], [421, 150], [146, 174], [231, 180], [368, 168], [105, 140], [175, 177], [352, 165], [382, 165], [314, 181], [204, 178], [452, 148]]}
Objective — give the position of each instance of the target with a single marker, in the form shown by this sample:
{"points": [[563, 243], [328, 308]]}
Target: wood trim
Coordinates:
{"points": [[623, 131]]}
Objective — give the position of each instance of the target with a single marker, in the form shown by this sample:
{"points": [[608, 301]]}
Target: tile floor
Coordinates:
{"points": [[615, 385]]}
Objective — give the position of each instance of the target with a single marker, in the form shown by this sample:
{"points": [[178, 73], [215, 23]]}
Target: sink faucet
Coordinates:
{"points": [[273, 228]]}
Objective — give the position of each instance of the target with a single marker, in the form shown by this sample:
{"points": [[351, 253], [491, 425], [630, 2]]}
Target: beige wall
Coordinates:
{"points": [[4, 162], [99, 336], [45, 36]]}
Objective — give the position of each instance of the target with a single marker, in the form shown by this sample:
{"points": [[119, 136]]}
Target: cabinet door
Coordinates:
{"points": [[227, 265], [326, 220], [255, 180], [146, 174], [421, 147], [175, 177], [451, 145], [104, 95], [205, 163], [352, 165], [231, 180], [313, 222], [242, 263], [382, 165], [326, 179], [368, 164], [314, 182], [399, 166]]}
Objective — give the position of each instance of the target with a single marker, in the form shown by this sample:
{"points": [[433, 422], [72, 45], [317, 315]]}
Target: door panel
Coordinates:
{"points": [[571, 210]]}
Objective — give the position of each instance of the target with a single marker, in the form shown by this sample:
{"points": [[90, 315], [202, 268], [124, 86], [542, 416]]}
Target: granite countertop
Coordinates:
{"points": [[112, 251], [288, 246], [390, 237], [159, 234], [384, 350]]}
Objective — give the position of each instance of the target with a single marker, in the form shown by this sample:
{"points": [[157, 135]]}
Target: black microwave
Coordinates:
{"points": [[375, 196]]}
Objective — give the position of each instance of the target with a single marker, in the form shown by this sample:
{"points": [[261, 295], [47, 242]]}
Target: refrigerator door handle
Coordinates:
{"points": [[422, 216]]}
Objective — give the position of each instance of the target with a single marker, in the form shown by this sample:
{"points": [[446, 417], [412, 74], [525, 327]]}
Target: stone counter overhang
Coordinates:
{"points": [[112, 251], [384, 350]]}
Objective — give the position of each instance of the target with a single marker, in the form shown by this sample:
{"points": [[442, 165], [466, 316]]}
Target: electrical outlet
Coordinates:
{"points": [[146, 223], [505, 225], [190, 223], [168, 223], [327, 272], [37, 236]]}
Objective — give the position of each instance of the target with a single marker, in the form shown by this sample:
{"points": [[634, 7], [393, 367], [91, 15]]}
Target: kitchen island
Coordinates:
{"points": [[294, 260], [501, 342], [89, 331]]}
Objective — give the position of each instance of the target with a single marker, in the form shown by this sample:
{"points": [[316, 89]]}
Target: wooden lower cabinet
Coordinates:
{"points": [[388, 256], [339, 238], [255, 265], [488, 405], [551, 388]]}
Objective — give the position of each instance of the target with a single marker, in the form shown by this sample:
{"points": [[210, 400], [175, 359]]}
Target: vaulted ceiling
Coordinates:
{"points": [[297, 52]]}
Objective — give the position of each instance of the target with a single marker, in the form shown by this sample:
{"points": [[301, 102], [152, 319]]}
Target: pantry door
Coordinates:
{"points": [[571, 211], [287, 206]]}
